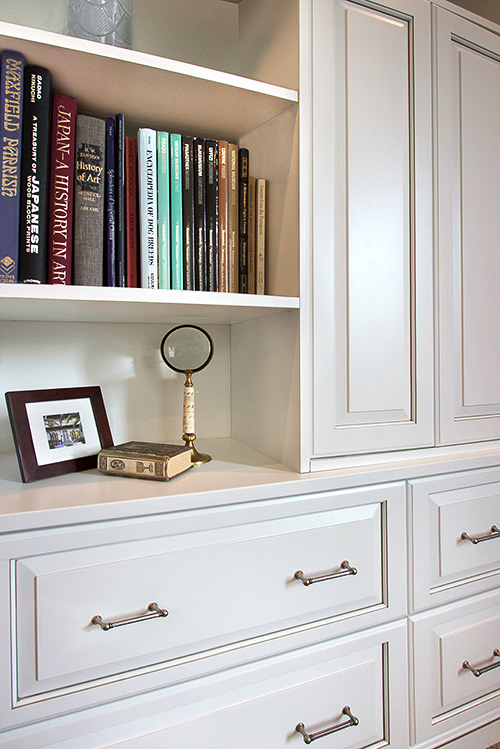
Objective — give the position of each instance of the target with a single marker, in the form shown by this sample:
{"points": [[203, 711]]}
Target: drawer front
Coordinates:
{"points": [[261, 704], [456, 664], [219, 587], [455, 547]]}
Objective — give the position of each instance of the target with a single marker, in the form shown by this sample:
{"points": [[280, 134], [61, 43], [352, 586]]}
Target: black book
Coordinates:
{"points": [[243, 159], [212, 218], [121, 214], [35, 173], [200, 255], [188, 210], [110, 264]]}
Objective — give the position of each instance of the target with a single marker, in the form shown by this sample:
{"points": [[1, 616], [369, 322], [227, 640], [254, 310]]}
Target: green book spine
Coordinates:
{"points": [[177, 246], [164, 275]]}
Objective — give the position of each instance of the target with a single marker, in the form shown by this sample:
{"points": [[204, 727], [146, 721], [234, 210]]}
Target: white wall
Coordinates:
{"points": [[143, 398]]}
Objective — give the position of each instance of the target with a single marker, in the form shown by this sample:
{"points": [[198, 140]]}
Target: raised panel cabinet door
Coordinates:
{"points": [[454, 537], [372, 240], [456, 666], [468, 162]]}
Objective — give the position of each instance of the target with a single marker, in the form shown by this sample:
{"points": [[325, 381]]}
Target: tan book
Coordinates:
{"points": [[233, 220], [223, 196], [145, 460], [260, 235]]}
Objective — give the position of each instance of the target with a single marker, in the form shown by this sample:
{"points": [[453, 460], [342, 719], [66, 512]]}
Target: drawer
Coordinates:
{"points": [[219, 587], [260, 705], [456, 664], [455, 548]]}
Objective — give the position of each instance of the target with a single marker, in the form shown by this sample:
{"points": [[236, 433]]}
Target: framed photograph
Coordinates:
{"points": [[57, 431]]}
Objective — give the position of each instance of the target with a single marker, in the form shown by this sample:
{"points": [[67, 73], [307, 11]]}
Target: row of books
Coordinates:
{"points": [[82, 203]]}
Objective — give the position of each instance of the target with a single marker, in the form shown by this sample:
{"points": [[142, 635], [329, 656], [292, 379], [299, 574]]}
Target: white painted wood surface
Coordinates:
{"points": [[445, 694], [372, 299], [468, 119], [443, 566]]}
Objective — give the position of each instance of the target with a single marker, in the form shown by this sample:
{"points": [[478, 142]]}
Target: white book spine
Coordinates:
{"points": [[148, 207]]}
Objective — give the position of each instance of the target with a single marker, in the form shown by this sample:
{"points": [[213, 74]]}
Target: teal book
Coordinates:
{"points": [[177, 245], [164, 280]]}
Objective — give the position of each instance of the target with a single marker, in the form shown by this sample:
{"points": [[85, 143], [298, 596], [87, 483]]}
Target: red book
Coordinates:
{"points": [[131, 210], [61, 189]]}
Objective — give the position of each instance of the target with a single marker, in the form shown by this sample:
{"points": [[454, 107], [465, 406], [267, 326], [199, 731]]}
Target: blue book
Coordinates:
{"points": [[177, 244], [110, 203], [11, 105]]}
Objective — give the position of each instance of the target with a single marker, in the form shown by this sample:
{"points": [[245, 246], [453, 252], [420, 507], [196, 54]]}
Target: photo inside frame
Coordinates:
{"points": [[63, 430]]}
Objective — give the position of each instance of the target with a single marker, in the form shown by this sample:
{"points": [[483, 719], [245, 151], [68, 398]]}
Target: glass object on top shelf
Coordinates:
{"points": [[106, 21], [255, 38]]}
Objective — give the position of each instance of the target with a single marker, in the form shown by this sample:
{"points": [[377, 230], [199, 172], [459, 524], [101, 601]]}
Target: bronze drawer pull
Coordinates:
{"points": [[153, 608], [480, 671], [495, 533], [345, 569], [309, 737]]}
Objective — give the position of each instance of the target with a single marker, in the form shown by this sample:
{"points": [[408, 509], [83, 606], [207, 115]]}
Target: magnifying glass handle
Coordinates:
{"points": [[188, 405], [188, 421]]}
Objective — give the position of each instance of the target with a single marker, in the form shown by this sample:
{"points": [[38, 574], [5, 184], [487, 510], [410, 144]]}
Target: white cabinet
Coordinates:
{"points": [[372, 232], [454, 556], [468, 223], [232, 584], [320, 685], [454, 544], [456, 666]]}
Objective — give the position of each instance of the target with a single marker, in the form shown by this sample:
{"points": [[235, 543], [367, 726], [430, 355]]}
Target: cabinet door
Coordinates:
{"points": [[372, 274], [468, 120]]}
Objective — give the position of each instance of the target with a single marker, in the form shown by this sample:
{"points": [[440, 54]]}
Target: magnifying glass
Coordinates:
{"points": [[188, 349]]}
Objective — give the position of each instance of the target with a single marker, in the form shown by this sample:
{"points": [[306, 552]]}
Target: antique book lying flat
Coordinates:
{"points": [[145, 460]]}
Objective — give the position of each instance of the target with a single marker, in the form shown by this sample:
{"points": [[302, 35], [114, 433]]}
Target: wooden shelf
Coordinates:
{"points": [[167, 93], [100, 304]]}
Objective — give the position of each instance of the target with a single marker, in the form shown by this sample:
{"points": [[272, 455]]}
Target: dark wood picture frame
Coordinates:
{"points": [[22, 432]]}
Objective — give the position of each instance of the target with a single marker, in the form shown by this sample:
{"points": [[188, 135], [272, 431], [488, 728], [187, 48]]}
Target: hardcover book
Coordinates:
{"points": [[131, 264], [120, 190], [11, 119], [89, 201], [188, 210], [251, 235], [223, 209], [212, 218], [176, 238], [110, 265], [233, 219], [200, 254], [148, 208], [260, 235], [62, 190], [145, 460], [243, 164], [35, 172], [164, 281]]}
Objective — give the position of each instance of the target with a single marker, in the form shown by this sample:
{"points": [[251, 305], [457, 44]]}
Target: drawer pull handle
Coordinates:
{"points": [[480, 671], [345, 569], [495, 533], [310, 737], [153, 608]]}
